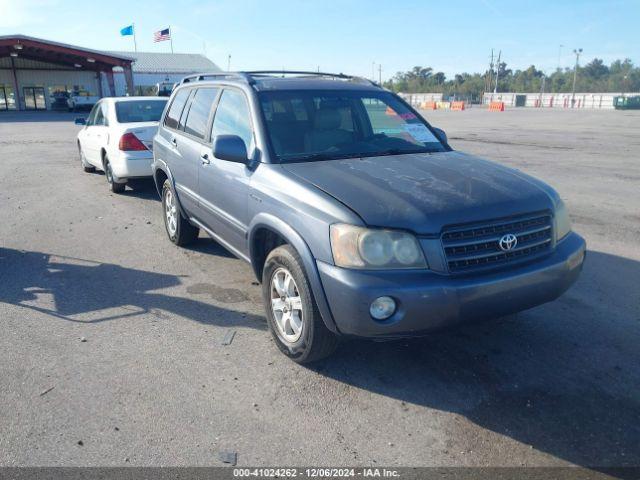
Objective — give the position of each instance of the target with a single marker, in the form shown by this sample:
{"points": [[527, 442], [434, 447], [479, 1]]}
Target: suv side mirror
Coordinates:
{"points": [[441, 135], [230, 148], [80, 121]]}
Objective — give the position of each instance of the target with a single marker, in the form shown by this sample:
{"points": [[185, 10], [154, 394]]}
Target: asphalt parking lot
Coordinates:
{"points": [[111, 337]]}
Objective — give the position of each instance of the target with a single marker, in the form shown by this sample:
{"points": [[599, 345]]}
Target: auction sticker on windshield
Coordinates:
{"points": [[419, 132]]}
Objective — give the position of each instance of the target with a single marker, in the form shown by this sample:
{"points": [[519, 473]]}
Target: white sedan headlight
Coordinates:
{"points": [[365, 248], [562, 221]]}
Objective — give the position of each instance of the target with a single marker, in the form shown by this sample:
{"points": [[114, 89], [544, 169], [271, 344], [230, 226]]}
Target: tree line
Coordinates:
{"points": [[595, 76]]}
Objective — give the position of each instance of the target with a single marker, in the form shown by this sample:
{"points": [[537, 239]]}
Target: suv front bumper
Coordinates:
{"points": [[429, 301]]}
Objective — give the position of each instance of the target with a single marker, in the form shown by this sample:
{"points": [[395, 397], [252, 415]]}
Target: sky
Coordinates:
{"points": [[350, 36]]}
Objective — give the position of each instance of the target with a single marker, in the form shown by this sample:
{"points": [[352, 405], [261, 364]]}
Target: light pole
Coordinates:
{"points": [[229, 63], [495, 90], [559, 54], [577, 51]]}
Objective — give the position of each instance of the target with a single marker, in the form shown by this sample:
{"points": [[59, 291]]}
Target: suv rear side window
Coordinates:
{"points": [[173, 115], [198, 117], [233, 117]]}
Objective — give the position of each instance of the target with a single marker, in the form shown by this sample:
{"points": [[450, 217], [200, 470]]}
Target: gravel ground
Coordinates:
{"points": [[111, 347]]}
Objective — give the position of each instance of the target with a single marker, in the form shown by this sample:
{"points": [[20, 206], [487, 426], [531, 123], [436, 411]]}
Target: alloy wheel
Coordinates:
{"points": [[286, 305], [171, 212]]}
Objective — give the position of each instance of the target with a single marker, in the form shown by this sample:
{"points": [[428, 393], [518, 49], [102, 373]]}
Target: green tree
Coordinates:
{"points": [[595, 76]]}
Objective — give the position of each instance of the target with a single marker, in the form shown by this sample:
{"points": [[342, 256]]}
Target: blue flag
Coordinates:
{"points": [[127, 31]]}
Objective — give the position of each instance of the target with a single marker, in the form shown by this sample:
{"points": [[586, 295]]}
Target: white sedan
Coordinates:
{"points": [[117, 138]]}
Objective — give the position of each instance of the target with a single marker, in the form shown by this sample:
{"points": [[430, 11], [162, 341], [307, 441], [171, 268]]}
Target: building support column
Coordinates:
{"points": [[128, 76], [16, 88], [111, 82], [99, 77]]}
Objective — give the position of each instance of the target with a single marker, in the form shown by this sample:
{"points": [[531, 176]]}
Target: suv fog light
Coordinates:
{"points": [[382, 308]]}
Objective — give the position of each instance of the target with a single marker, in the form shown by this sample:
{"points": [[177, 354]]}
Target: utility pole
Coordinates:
{"points": [[489, 81], [542, 80], [559, 54], [577, 52], [380, 74], [229, 63], [495, 90]]}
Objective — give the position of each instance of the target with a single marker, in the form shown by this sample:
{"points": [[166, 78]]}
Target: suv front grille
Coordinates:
{"points": [[477, 247]]}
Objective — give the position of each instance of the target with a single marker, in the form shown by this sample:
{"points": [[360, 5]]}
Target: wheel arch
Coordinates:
{"points": [[270, 227], [103, 156], [161, 173]]}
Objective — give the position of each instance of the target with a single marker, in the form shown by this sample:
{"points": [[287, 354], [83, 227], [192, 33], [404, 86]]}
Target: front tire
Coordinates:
{"points": [[292, 312], [178, 228]]}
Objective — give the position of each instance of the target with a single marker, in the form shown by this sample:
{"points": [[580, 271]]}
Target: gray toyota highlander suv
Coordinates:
{"points": [[356, 215]]}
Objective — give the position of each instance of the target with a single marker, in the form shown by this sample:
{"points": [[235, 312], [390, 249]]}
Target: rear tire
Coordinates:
{"points": [[291, 309], [178, 228], [114, 186], [86, 166]]}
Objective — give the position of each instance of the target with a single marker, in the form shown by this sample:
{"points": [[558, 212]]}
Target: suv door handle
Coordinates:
{"points": [[174, 142], [205, 159]]}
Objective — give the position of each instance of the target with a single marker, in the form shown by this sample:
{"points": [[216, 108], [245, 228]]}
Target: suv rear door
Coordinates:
{"points": [[174, 150], [223, 186]]}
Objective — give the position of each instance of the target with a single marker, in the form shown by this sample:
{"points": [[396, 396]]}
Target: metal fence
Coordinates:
{"points": [[555, 100]]}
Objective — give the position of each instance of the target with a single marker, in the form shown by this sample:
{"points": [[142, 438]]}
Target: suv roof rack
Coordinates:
{"points": [[199, 77], [251, 76]]}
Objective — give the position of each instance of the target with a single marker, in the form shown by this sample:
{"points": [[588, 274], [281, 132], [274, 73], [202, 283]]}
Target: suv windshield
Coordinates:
{"points": [[135, 111], [307, 125]]}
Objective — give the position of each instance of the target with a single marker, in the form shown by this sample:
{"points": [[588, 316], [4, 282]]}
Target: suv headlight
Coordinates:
{"points": [[562, 221], [366, 248]]}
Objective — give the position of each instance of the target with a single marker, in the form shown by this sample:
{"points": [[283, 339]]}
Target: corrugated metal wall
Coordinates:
{"points": [[416, 99], [139, 80], [5, 62], [556, 100]]}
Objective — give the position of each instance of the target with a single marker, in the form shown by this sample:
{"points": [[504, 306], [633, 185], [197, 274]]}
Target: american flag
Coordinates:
{"points": [[162, 35]]}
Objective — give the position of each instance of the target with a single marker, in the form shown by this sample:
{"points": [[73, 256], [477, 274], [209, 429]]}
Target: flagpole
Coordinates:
{"points": [[135, 44], [171, 38]]}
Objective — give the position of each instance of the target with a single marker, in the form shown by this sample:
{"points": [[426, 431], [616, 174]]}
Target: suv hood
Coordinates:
{"points": [[424, 192]]}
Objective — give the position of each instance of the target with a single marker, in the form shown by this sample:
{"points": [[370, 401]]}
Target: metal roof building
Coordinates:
{"points": [[38, 74], [150, 68]]}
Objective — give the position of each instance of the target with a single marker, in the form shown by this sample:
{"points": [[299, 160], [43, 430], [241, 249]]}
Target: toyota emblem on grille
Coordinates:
{"points": [[508, 242]]}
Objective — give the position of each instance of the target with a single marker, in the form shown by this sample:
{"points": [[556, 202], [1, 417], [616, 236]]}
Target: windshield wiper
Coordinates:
{"points": [[312, 157]]}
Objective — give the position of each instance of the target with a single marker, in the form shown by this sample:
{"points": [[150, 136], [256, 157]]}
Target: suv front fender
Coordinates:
{"points": [[293, 238]]}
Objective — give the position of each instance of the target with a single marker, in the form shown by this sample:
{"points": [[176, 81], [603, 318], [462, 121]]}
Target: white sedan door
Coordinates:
{"points": [[96, 135]]}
